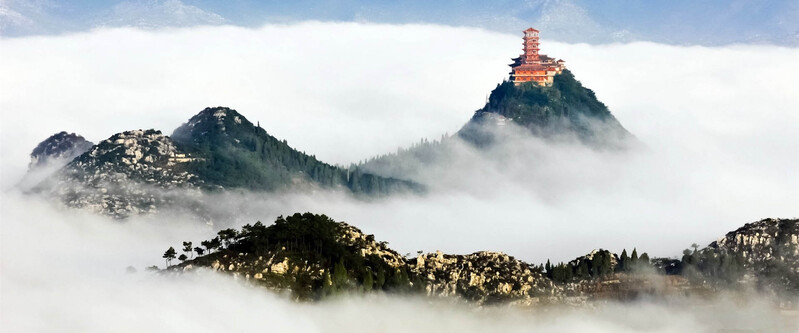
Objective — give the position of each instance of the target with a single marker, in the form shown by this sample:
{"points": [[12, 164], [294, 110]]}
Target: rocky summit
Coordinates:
{"points": [[313, 256], [61, 148], [131, 172]]}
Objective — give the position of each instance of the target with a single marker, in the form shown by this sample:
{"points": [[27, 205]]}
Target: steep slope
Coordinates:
{"points": [[238, 154], [563, 109]]}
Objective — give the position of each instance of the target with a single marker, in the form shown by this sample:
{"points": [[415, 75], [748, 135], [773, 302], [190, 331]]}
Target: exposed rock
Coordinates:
{"points": [[481, 276], [130, 173], [61, 146]]}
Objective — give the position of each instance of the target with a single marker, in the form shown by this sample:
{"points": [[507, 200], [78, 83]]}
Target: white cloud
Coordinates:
{"points": [[719, 124], [65, 271]]}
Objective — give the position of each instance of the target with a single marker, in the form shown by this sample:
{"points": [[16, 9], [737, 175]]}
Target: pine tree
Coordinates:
{"points": [[582, 270], [634, 257], [327, 284], [548, 268], [340, 276], [643, 259], [368, 281], [624, 262], [199, 250], [381, 278], [169, 255], [188, 249]]}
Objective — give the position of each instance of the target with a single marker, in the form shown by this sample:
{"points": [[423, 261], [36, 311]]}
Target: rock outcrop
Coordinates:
{"points": [[130, 173], [769, 249], [483, 277]]}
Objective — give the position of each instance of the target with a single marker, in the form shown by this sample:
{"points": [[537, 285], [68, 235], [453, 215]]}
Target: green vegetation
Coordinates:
{"points": [[718, 266], [309, 243], [237, 154], [601, 264], [565, 107]]}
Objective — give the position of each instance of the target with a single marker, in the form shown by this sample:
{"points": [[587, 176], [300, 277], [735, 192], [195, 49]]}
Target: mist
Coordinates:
{"points": [[718, 148], [65, 270]]}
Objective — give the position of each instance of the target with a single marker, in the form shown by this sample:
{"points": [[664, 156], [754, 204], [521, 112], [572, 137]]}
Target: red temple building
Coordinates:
{"points": [[532, 66]]}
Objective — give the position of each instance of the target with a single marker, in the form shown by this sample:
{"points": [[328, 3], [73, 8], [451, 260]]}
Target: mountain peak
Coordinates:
{"points": [[60, 146], [565, 107]]}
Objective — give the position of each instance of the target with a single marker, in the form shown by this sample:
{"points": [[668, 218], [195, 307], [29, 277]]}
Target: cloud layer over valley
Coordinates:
{"points": [[717, 126]]}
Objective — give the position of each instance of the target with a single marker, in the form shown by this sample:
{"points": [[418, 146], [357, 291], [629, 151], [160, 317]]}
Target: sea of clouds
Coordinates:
{"points": [[718, 128]]}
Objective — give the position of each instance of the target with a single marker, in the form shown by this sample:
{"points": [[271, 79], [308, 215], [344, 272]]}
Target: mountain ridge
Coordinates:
{"points": [[141, 171], [313, 256]]}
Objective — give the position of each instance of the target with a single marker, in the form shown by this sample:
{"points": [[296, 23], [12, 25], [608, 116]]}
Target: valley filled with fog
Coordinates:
{"points": [[717, 147]]}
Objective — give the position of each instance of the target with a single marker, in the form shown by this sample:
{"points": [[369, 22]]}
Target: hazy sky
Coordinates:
{"points": [[681, 22], [719, 149]]}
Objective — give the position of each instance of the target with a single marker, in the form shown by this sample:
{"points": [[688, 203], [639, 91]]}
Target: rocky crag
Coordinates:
{"points": [[132, 172]]}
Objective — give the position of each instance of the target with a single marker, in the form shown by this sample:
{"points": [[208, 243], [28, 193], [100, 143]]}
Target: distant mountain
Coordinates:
{"points": [[157, 14], [144, 171], [314, 256], [682, 22]]}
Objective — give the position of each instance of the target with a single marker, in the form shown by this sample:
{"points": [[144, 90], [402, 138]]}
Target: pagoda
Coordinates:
{"points": [[532, 66]]}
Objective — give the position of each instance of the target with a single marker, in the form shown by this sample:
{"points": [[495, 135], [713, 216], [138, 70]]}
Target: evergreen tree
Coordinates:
{"points": [[199, 250], [183, 257], [624, 262], [634, 257], [643, 259], [582, 270], [368, 281], [381, 277], [340, 277], [187, 248], [548, 268], [169, 255], [207, 245], [327, 284], [226, 236]]}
